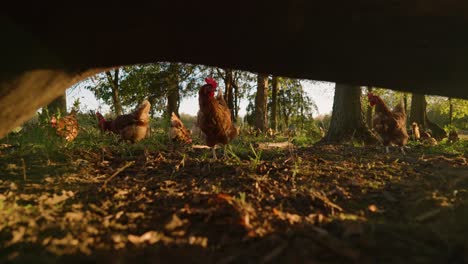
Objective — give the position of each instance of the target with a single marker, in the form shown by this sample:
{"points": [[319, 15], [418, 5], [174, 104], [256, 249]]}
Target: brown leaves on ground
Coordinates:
{"points": [[318, 204]]}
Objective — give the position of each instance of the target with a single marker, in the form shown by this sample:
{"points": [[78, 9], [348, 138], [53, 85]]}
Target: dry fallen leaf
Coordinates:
{"points": [[373, 208], [175, 222]]}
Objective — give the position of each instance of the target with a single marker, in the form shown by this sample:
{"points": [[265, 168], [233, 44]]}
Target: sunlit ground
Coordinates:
{"points": [[100, 200]]}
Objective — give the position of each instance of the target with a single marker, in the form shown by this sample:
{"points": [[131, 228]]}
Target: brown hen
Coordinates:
{"points": [[178, 132], [133, 127], [67, 126], [214, 116], [390, 125]]}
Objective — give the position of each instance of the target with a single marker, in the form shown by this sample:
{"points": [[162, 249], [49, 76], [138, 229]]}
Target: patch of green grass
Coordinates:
{"points": [[444, 147], [303, 141]]}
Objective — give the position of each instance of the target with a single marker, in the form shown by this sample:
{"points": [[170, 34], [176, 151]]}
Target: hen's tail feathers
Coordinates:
{"points": [[400, 107], [175, 121], [143, 109], [100, 117]]}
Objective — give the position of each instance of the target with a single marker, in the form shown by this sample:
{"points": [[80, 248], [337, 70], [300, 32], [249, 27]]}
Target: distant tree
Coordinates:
{"points": [[172, 92], [261, 118], [236, 85], [347, 121], [294, 106], [113, 80], [274, 103]]}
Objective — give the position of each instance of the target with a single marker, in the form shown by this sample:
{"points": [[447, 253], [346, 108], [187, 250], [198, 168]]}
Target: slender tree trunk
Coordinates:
{"points": [[58, 105], [236, 101], [369, 111], [274, 103], [450, 111], [347, 121], [114, 82], [261, 103]]}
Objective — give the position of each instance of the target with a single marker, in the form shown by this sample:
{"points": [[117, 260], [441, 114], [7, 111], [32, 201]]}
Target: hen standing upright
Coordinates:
{"points": [[390, 125], [178, 132], [66, 127], [133, 126], [214, 116]]}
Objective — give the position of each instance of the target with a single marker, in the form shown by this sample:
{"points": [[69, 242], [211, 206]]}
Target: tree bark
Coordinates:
{"points": [[274, 103], [173, 96], [236, 101], [450, 111], [347, 121], [59, 104], [261, 103], [369, 111], [228, 93], [114, 82], [418, 110], [419, 115]]}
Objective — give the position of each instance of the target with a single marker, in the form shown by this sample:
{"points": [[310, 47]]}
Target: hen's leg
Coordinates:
{"points": [[402, 150], [214, 153], [225, 152], [387, 149]]}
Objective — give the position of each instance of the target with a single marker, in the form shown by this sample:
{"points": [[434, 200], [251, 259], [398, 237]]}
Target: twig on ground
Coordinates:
{"points": [[128, 164], [24, 169]]}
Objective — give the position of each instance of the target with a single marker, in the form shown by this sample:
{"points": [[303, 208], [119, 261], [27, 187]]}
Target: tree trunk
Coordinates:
{"points": [[58, 105], [369, 111], [347, 121], [228, 93], [274, 103], [236, 101], [419, 115], [114, 82], [173, 96], [450, 111], [418, 110], [261, 103]]}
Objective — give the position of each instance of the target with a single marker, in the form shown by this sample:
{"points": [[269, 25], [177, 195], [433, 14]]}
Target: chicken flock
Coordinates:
{"points": [[213, 120], [216, 127]]}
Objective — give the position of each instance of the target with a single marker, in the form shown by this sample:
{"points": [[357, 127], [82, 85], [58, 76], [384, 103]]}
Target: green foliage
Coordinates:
{"points": [[438, 111], [148, 81], [295, 108]]}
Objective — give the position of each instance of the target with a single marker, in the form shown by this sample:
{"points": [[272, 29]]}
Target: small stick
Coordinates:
{"points": [[128, 164], [24, 169]]}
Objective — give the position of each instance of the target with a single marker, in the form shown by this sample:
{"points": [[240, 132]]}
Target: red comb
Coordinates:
{"points": [[211, 82], [370, 95]]}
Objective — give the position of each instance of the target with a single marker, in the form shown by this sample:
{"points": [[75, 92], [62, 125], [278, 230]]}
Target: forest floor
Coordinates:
{"points": [[293, 203]]}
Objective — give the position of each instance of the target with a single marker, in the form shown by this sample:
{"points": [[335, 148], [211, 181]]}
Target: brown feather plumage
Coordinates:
{"points": [[390, 125], [133, 126], [214, 117], [178, 132], [67, 126]]}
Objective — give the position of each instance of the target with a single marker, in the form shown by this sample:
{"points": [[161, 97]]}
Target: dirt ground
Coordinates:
{"points": [[320, 204]]}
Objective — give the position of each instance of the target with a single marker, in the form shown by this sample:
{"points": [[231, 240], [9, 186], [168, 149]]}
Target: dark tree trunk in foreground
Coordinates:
{"points": [[58, 105], [347, 121], [418, 110], [274, 103], [419, 115], [369, 111], [114, 82], [261, 103]]}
